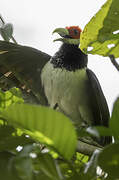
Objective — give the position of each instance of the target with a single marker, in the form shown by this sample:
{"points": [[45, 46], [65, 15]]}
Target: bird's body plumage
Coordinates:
{"points": [[67, 89], [75, 89], [65, 83]]}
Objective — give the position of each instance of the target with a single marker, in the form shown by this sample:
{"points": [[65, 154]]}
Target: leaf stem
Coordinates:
{"points": [[14, 40], [112, 58], [1, 18]]}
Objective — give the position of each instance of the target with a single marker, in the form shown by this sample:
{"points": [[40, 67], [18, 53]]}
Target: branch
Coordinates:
{"points": [[87, 149], [112, 58]]}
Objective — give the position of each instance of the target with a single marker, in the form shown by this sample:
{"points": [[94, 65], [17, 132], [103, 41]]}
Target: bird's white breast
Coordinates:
{"points": [[68, 89]]}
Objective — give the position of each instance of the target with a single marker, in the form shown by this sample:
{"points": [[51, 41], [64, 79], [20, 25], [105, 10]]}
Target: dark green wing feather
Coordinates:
{"points": [[98, 100], [99, 106], [26, 64]]}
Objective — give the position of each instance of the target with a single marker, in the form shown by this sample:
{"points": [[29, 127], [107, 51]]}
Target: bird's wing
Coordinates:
{"points": [[25, 63], [98, 102]]}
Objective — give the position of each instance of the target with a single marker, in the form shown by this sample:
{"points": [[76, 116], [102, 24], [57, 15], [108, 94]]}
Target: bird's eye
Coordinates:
{"points": [[76, 32]]}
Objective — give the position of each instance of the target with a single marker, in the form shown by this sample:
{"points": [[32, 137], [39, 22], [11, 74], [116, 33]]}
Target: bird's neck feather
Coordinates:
{"points": [[69, 57]]}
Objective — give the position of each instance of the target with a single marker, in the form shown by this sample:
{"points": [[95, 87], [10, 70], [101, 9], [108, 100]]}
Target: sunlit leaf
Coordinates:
{"points": [[44, 125], [12, 96], [101, 34]]}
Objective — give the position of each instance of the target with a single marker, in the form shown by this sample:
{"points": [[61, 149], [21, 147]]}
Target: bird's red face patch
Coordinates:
{"points": [[74, 32]]}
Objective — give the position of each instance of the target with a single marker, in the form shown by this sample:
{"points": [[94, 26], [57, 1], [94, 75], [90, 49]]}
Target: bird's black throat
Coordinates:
{"points": [[69, 57]]}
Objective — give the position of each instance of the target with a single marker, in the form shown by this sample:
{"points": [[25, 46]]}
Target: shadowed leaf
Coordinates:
{"points": [[114, 121], [109, 160]]}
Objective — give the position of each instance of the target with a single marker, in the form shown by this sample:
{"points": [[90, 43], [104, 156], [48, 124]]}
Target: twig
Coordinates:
{"points": [[14, 40], [112, 58], [1, 18], [86, 149]]}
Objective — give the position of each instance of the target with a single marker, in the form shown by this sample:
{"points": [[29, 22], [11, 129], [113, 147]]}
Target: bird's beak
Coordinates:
{"points": [[65, 37], [62, 32]]}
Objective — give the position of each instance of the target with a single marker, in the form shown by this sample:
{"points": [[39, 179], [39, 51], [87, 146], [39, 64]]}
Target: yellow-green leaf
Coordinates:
{"points": [[101, 34], [45, 125]]}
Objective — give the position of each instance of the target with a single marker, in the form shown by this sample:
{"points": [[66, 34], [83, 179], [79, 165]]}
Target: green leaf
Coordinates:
{"points": [[11, 142], [109, 160], [49, 166], [16, 92], [6, 31], [5, 166], [7, 98], [101, 34], [44, 125], [22, 167], [40, 176], [114, 121], [5, 131], [104, 131], [81, 158], [16, 167], [9, 138], [22, 164]]}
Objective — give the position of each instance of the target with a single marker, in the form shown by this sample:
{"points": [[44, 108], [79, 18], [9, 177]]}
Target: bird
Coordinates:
{"points": [[62, 81], [71, 87]]}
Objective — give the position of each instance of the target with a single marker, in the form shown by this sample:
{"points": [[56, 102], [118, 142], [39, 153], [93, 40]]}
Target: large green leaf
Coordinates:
{"points": [[102, 31], [45, 125]]}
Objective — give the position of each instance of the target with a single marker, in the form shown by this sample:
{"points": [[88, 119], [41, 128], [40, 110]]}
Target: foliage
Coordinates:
{"points": [[10, 97], [6, 31], [40, 123], [37, 142], [101, 34]]}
